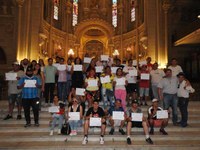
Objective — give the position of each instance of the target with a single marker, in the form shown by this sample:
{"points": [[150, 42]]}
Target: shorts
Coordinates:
{"points": [[144, 92], [157, 123], [15, 98], [131, 87], [137, 124]]}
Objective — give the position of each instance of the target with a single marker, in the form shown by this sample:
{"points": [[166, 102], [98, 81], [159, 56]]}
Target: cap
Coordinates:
{"points": [[135, 101], [15, 63], [61, 102], [154, 100], [180, 74], [29, 68]]}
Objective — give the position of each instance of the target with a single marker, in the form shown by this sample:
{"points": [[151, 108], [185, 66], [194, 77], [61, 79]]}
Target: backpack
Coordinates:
{"points": [[66, 129]]}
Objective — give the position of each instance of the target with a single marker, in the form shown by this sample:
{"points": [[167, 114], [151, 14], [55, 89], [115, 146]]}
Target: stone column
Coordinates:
{"points": [[120, 8], [137, 31]]}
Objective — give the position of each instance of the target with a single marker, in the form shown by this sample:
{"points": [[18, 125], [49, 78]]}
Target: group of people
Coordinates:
{"points": [[121, 87]]}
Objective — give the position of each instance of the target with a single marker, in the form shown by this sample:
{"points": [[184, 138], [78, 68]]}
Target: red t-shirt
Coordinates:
{"points": [[144, 83]]}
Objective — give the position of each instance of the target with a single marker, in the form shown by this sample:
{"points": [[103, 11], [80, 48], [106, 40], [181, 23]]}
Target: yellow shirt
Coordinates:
{"points": [[92, 88], [110, 84]]}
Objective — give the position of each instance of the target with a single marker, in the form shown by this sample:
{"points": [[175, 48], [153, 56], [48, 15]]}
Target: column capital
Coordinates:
{"points": [[20, 2]]}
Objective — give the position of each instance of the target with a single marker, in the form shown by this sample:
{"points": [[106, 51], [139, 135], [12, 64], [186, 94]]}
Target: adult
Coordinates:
{"points": [[24, 64], [176, 69]]}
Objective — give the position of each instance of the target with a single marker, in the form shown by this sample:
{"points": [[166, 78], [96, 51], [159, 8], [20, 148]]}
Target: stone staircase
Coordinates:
{"points": [[14, 136]]}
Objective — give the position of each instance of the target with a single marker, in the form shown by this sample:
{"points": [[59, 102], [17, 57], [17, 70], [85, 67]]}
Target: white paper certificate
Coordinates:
{"points": [[99, 69], [134, 62], [162, 114], [30, 83], [56, 65], [145, 76], [144, 62], [80, 91], [137, 116], [118, 115], [120, 81], [54, 109], [87, 60], [69, 67], [114, 69], [74, 115], [62, 67], [11, 76], [92, 83], [105, 79], [133, 72], [78, 67], [104, 57], [95, 121]]}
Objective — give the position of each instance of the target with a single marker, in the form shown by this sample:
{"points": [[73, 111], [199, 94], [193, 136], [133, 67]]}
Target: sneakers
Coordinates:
{"points": [[51, 133], [151, 132], [128, 141], [59, 131], [111, 131], [122, 131], [101, 140], [37, 125], [163, 132], [8, 117], [148, 140], [27, 125], [85, 140], [19, 117], [73, 132]]}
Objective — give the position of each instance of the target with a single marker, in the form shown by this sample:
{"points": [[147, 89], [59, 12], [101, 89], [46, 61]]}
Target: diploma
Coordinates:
{"points": [[114, 69], [78, 67], [54, 109], [134, 62], [80, 91], [87, 60], [92, 83], [132, 72], [137, 117], [145, 76], [104, 57], [105, 79], [30, 83], [144, 62], [56, 65], [120, 81], [95, 121], [62, 67], [74, 115], [118, 115], [162, 114], [99, 69], [11, 76]]}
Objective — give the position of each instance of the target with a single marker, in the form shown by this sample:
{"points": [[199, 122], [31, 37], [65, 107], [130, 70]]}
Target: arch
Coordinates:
{"points": [[3, 59]]}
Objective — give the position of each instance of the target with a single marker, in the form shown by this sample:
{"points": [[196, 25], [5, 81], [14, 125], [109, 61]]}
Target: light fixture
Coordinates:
{"points": [[198, 16], [71, 52], [128, 49], [116, 53]]}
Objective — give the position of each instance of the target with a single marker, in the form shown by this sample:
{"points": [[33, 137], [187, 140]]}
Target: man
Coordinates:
{"points": [[118, 108], [143, 124], [29, 85], [14, 94], [24, 64], [94, 111], [154, 121], [49, 73], [176, 69], [184, 89], [167, 91], [156, 76]]}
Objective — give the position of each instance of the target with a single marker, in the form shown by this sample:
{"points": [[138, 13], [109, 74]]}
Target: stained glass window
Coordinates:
{"points": [[114, 13], [132, 10], [75, 12], [56, 9]]}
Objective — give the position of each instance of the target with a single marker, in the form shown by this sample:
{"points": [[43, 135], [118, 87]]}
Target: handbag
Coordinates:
{"points": [[66, 129]]}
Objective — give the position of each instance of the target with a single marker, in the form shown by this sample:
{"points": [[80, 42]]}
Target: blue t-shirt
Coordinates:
{"points": [[110, 111], [29, 92]]}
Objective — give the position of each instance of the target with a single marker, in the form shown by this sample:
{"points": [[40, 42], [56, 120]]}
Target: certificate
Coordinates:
{"points": [[99, 69], [62, 67], [95, 122], [114, 69], [80, 91], [30, 83], [54, 109], [74, 115], [11, 76], [87, 60], [104, 57], [105, 79], [56, 65], [78, 67], [118, 115], [162, 114], [133, 72], [120, 81], [144, 62], [145, 76], [137, 117], [134, 62], [69, 67], [92, 83]]}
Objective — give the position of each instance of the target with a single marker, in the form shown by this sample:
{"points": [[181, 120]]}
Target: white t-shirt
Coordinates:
{"points": [[175, 70], [119, 87], [183, 90], [156, 76]]}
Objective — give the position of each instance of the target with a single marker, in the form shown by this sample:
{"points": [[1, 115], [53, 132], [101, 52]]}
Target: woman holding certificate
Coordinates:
{"points": [[75, 114]]}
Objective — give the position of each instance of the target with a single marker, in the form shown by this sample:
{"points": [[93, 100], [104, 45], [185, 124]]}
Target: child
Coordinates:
{"points": [[57, 116]]}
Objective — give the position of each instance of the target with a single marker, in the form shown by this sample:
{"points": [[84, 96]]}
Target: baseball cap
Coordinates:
{"points": [[29, 68], [15, 63], [180, 74], [135, 101], [154, 100]]}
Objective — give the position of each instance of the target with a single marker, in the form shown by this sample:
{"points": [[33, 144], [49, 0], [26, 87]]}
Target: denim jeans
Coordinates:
{"points": [[62, 87], [59, 118], [155, 91], [74, 124], [107, 95], [171, 100], [183, 105]]}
